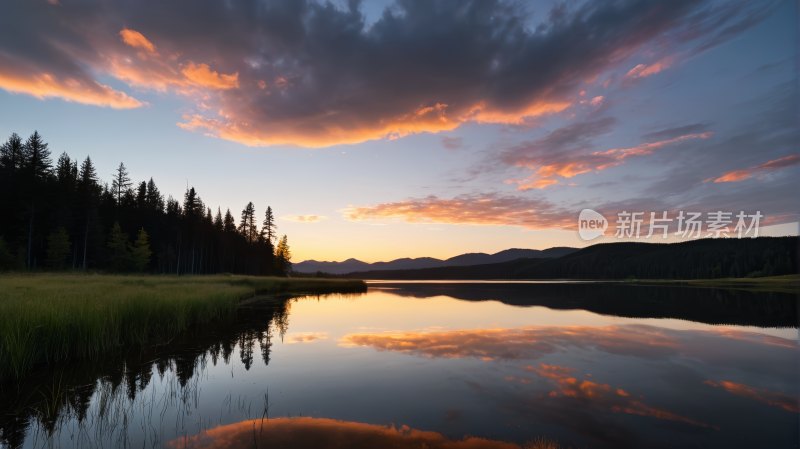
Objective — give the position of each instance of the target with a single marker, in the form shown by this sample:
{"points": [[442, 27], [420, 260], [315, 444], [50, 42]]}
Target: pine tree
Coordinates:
{"points": [[64, 172], [89, 191], [247, 226], [88, 183], [58, 247], [120, 183], [192, 206], [12, 154], [117, 244], [230, 223], [218, 225], [141, 196], [268, 231], [37, 167], [283, 257], [140, 252], [37, 161], [154, 198]]}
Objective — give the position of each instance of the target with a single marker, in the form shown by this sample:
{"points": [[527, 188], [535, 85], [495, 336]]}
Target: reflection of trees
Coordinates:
{"points": [[705, 305], [99, 397], [246, 343], [265, 340]]}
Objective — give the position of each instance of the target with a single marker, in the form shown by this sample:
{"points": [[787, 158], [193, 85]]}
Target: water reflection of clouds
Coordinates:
{"points": [[775, 398], [601, 397], [535, 342], [322, 432], [305, 337], [629, 362]]}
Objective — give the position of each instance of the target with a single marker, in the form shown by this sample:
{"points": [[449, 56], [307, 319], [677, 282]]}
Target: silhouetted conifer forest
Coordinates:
{"points": [[694, 259], [60, 215]]}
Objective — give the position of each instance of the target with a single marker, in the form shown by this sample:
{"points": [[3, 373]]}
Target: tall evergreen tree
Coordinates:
{"points": [[37, 168], [283, 257], [269, 228], [120, 183], [247, 226], [141, 196], [192, 206], [218, 225], [154, 198], [89, 191], [11, 189], [12, 154], [230, 223]]}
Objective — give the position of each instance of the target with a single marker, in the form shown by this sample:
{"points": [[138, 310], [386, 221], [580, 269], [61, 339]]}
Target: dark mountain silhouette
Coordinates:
{"points": [[352, 265], [695, 259]]}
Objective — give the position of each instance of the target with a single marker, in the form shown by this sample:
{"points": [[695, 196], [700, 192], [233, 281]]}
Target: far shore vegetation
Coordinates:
{"points": [[49, 317], [789, 283]]}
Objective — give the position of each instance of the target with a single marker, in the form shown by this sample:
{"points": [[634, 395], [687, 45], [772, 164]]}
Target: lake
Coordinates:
{"points": [[430, 364]]}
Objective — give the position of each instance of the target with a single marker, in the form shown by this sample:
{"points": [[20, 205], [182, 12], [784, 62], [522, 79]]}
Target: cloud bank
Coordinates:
{"points": [[313, 74]]}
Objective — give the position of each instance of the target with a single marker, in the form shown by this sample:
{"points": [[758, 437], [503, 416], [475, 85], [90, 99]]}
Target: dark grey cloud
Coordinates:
{"points": [[315, 74], [602, 184], [671, 133]]}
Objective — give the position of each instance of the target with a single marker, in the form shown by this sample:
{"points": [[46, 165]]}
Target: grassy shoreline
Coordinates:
{"points": [[784, 284], [54, 317]]}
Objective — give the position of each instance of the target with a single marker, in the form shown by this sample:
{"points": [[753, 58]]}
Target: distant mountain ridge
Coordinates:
{"points": [[352, 265], [692, 259]]}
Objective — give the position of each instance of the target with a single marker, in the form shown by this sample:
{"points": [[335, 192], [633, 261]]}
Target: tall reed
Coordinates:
{"points": [[50, 318]]}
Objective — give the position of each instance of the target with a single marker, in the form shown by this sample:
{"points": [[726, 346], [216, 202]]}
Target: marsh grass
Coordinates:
{"points": [[51, 318]]}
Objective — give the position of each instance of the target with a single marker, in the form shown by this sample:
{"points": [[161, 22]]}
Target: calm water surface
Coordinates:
{"points": [[442, 365]]}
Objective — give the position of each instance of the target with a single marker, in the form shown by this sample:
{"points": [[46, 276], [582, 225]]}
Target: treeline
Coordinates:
{"points": [[60, 215], [696, 259]]}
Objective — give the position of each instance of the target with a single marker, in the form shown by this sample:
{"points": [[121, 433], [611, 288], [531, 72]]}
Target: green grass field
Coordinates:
{"points": [[52, 317]]}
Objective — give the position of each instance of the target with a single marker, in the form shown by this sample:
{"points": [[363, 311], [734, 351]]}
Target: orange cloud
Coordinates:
{"points": [[777, 164], [643, 70], [332, 129], [567, 165], [647, 148], [539, 184], [84, 91], [483, 210], [304, 218], [137, 40], [322, 432], [201, 74], [781, 400]]}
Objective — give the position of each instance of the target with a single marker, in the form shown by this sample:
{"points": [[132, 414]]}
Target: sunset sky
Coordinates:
{"points": [[387, 129]]}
